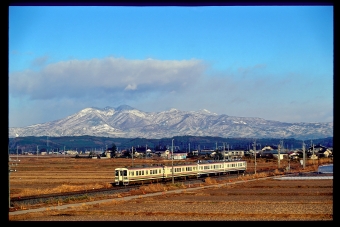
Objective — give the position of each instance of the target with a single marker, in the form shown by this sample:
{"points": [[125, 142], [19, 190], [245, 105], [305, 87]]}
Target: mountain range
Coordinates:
{"points": [[128, 122]]}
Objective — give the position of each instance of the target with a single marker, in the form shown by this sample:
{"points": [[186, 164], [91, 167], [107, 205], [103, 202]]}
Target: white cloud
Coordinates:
{"points": [[80, 78], [64, 88], [131, 87]]}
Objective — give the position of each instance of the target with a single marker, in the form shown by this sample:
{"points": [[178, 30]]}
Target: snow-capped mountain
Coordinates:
{"points": [[127, 122]]}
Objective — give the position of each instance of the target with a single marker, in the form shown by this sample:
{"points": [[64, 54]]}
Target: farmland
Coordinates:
{"points": [[251, 200]]}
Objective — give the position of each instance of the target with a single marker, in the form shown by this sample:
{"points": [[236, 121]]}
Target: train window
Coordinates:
{"points": [[142, 172], [117, 173], [124, 172], [146, 172]]}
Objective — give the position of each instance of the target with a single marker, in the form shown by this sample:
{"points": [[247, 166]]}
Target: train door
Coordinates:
{"points": [[121, 176]]}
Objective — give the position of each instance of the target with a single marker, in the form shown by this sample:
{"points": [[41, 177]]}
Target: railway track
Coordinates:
{"points": [[103, 192], [67, 196]]}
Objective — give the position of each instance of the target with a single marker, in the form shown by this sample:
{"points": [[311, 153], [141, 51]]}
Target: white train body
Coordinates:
{"points": [[123, 176]]}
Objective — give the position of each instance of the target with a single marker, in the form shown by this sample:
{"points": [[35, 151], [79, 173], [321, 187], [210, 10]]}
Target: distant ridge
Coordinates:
{"points": [[128, 122]]}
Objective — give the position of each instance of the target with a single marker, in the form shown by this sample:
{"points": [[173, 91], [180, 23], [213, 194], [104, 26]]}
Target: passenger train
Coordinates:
{"points": [[124, 176]]}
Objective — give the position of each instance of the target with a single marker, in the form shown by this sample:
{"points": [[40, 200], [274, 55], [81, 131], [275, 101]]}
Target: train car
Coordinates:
{"points": [[138, 174], [127, 175], [206, 169]]}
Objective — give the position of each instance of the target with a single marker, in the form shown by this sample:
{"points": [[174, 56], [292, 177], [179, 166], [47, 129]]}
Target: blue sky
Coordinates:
{"points": [[272, 62]]}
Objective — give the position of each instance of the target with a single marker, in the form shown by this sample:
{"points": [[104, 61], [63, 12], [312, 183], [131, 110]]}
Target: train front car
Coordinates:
{"points": [[125, 176]]}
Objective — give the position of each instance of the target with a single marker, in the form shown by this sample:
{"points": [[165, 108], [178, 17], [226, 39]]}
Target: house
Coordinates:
{"points": [[206, 153], [72, 152], [269, 148], [177, 155], [293, 155], [164, 154], [235, 154], [327, 152], [180, 155], [274, 154]]}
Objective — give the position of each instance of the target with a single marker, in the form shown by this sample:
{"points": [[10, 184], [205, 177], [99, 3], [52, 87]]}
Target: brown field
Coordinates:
{"points": [[251, 200]]}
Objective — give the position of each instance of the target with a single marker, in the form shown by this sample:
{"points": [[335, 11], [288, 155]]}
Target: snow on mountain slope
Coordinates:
{"points": [[127, 122]]}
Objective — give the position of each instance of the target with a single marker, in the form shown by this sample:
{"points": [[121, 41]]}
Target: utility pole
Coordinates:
{"points": [[278, 155], [224, 152], [254, 147], [37, 151], [313, 153], [228, 150], [172, 160], [132, 156], [304, 155]]}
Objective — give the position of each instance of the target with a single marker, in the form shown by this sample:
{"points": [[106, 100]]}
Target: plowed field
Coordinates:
{"points": [[251, 200]]}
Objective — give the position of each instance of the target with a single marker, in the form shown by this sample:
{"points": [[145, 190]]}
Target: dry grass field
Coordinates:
{"points": [[252, 200]]}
